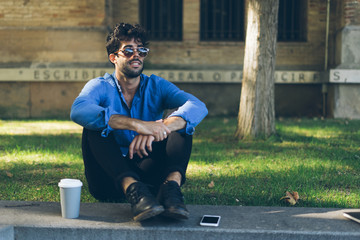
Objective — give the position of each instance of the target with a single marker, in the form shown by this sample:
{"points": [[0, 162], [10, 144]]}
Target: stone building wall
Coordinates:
{"points": [[37, 31], [39, 38], [51, 31], [344, 86]]}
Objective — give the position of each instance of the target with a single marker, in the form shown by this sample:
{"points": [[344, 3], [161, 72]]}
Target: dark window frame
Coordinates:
{"points": [[292, 21], [216, 20], [162, 19]]}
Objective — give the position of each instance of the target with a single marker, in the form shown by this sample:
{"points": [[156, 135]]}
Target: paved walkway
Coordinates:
{"points": [[42, 220]]}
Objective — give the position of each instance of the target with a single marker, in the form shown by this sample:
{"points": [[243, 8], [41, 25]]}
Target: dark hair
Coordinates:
{"points": [[124, 32]]}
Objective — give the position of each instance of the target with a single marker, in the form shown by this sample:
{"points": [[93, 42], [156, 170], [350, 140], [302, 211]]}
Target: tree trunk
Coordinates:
{"points": [[256, 117]]}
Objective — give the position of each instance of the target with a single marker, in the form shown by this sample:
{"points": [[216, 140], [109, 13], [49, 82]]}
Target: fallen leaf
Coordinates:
{"points": [[291, 198], [296, 196], [9, 174], [211, 184]]}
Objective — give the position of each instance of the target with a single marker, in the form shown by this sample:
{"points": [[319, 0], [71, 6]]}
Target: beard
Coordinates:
{"points": [[132, 73]]}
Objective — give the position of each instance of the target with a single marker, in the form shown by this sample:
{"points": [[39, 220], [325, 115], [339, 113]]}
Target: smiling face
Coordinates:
{"points": [[128, 66]]}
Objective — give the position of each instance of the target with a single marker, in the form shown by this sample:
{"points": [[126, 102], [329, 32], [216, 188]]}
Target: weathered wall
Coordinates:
{"points": [[75, 31], [71, 34], [38, 31], [344, 89]]}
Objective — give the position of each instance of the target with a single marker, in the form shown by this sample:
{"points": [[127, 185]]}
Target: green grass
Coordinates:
{"points": [[320, 159]]}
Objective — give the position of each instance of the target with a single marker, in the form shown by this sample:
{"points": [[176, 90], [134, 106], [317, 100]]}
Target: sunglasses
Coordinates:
{"points": [[128, 52]]}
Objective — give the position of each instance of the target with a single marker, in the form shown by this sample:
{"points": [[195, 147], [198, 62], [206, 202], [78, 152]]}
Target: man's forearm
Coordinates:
{"points": [[122, 122], [175, 123], [156, 128]]}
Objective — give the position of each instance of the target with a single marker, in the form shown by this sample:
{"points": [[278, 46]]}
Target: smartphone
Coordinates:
{"points": [[355, 216], [210, 220]]}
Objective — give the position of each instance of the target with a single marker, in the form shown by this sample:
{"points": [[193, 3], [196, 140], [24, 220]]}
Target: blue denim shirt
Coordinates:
{"points": [[101, 97]]}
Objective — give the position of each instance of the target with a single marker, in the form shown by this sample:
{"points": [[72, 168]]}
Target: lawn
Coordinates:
{"points": [[319, 159]]}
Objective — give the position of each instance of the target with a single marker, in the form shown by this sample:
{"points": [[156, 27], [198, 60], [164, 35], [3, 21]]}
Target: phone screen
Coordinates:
{"points": [[210, 220]]}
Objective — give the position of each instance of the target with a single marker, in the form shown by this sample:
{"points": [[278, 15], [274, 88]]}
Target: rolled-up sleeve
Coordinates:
{"points": [[87, 109], [193, 112], [190, 108]]}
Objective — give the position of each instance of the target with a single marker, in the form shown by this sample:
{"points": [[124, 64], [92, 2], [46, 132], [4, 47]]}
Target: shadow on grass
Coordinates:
{"points": [[325, 171], [266, 188], [340, 145], [38, 142], [324, 168], [32, 165], [38, 181]]}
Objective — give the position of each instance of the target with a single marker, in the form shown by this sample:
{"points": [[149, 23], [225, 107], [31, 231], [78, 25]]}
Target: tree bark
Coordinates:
{"points": [[256, 117]]}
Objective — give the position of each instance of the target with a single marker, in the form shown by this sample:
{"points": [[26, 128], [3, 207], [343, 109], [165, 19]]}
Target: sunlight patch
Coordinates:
{"points": [[46, 127]]}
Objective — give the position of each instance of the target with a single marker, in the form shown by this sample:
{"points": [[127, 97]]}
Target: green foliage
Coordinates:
{"points": [[319, 159]]}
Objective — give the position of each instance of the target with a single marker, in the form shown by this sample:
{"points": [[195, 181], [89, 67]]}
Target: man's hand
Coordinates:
{"points": [[149, 131], [140, 145], [155, 128]]}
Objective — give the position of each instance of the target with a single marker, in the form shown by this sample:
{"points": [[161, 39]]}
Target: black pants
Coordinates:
{"points": [[105, 166]]}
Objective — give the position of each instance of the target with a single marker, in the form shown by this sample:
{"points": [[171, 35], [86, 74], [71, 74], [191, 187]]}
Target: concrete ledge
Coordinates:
{"points": [[6, 232], [42, 220]]}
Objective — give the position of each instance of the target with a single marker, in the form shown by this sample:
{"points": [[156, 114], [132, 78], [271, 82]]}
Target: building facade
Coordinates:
{"points": [[49, 49]]}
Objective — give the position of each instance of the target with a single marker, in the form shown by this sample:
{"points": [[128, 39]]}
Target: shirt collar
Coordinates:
{"points": [[119, 87]]}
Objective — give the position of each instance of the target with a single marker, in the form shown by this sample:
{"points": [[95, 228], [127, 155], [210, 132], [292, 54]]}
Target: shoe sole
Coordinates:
{"points": [[152, 212], [176, 214]]}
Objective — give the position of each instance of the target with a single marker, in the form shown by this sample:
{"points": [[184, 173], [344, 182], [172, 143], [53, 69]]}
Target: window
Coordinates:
{"points": [[222, 20], [292, 20], [162, 19]]}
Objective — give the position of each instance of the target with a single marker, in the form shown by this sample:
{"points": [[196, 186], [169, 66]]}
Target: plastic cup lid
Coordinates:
{"points": [[70, 183]]}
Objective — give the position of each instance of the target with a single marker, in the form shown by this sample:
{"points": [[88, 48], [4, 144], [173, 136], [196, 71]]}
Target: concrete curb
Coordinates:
{"points": [[42, 220], [6, 232]]}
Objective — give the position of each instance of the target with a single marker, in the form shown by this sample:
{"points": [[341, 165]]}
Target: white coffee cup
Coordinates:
{"points": [[70, 193]]}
